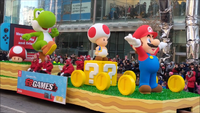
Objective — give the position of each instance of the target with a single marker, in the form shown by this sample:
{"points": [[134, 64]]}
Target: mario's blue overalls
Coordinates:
{"points": [[148, 71]]}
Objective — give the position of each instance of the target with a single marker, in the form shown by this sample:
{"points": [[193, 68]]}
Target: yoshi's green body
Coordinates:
{"points": [[43, 20]]}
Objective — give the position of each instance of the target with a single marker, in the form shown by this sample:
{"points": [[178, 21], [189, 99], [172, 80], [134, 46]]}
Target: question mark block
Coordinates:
{"points": [[93, 67]]}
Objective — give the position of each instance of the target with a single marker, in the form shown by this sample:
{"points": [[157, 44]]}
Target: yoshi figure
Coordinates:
{"points": [[43, 20]]}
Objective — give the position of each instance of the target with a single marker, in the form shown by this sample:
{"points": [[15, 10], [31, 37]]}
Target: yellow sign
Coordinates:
{"points": [[92, 68]]}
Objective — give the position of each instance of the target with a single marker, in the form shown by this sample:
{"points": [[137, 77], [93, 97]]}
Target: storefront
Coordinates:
{"points": [[74, 17]]}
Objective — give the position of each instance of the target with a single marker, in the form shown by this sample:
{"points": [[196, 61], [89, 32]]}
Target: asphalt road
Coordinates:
{"points": [[11, 102]]}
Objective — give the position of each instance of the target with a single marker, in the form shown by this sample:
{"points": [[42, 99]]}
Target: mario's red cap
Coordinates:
{"points": [[144, 30]]}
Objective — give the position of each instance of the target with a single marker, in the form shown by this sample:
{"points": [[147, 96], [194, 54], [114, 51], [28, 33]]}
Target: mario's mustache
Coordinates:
{"points": [[151, 45]]}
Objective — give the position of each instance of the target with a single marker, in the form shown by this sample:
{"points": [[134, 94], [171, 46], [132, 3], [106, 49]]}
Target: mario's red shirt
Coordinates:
{"points": [[142, 55]]}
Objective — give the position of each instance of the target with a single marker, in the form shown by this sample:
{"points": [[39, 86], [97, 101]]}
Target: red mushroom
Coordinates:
{"points": [[17, 53]]}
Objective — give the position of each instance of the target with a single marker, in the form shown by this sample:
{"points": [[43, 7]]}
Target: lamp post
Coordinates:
{"points": [[94, 18]]}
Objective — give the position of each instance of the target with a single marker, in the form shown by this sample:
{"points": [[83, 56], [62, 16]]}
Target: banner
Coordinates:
{"points": [[29, 57], [18, 32], [47, 87], [74, 10]]}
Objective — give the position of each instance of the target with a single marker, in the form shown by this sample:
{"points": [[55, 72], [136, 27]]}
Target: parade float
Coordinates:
{"points": [[110, 100], [97, 87]]}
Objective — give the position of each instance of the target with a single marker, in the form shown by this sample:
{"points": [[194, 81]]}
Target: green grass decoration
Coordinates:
{"points": [[166, 94], [8, 76], [24, 63]]}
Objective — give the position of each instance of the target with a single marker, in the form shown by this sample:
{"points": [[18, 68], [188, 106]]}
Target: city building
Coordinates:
{"points": [[1, 11], [74, 17], [28, 11]]}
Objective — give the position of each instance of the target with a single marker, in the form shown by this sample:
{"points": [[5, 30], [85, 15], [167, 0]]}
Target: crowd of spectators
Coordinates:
{"points": [[141, 9]]}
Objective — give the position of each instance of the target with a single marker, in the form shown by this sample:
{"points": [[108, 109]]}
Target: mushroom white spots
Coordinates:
{"points": [[18, 51], [97, 31]]}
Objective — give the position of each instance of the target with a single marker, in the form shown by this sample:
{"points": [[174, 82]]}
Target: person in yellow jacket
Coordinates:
{"points": [[56, 61]]}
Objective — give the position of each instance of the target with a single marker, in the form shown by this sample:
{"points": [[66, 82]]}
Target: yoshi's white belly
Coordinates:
{"points": [[47, 37]]}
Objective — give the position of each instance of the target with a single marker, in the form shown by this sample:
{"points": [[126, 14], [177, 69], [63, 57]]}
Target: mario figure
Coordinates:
{"points": [[143, 42], [99, 34]]}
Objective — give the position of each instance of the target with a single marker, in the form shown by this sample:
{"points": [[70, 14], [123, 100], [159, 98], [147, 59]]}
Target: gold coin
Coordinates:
{"points": [[176, 83], [126, 85], [102, 81], [131, 73], [78, 78], [156, 79]]}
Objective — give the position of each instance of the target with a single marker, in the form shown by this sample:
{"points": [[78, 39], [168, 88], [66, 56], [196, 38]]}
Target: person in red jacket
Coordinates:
{"points": [[88, 57], [80, 63], [34, 63], [190, 80], [44, 67], [67, 69]]}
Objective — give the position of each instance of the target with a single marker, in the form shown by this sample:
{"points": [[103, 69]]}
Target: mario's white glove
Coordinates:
{"points": [[162, 45], [40, 61], [44, 69], [62, 74], [133, 41], [60, 67], [29, 69]]}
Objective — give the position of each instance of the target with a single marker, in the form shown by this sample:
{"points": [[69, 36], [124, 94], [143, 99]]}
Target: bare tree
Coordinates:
{"points": [[153, 21]]}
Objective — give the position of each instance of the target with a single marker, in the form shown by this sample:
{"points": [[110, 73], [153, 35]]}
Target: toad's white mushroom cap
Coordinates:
{"points": [[18, 51], [97, 31]]}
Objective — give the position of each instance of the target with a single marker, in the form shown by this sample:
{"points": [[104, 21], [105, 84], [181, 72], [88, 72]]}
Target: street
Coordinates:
{"points": [[11, 102]]}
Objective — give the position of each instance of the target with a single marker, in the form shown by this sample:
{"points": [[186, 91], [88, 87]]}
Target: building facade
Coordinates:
{"points": [[1, 11], [74, 17]]}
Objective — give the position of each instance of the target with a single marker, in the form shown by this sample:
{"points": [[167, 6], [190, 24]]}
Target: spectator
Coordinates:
{"points": [[190, 80], [4, 56], [181, 74], [198, 76], [176, 69], [80, 63], [34, 63], [67, 69], [121, 68], [198, 88], [46, 66], [88, 57], [56, 61], [160, 80], [150, 10], [164, 85], [170, 67], [128, 66], [61, 59], [129, 9]]}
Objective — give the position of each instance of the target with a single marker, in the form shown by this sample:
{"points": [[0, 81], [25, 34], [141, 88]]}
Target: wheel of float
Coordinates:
{"points": [[176, 83], [131, 73], [126, 85], [102, 81], [78, 78]]}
